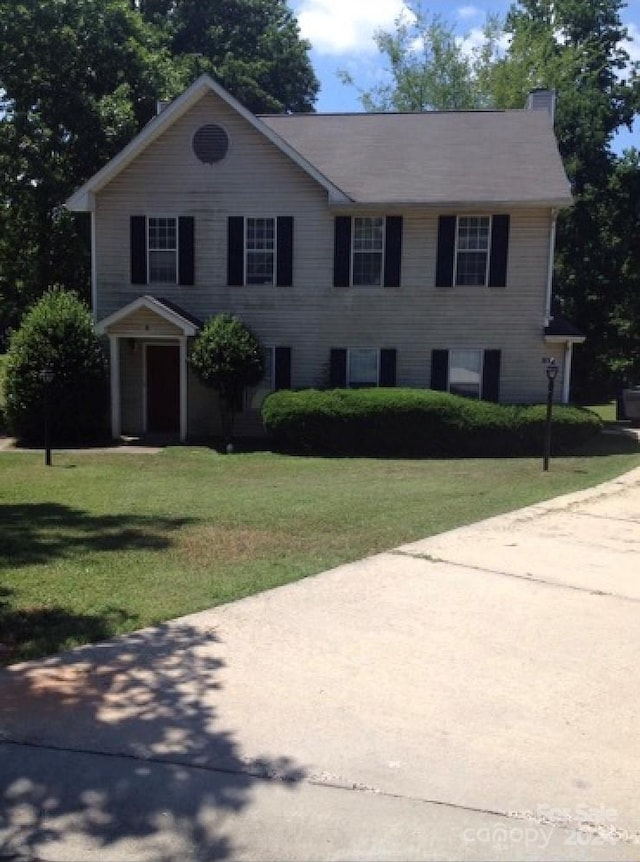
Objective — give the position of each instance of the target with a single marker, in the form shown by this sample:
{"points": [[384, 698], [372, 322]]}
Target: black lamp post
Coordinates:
{"points": [[46, 376], [552, 372]]}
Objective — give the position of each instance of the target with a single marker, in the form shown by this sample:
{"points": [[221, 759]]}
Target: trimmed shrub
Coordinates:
{"points": [[57, 332], [416, 423], [227, 357]]}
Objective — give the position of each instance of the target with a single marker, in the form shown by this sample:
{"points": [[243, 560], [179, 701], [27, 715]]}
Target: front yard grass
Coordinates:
{"points": [[103, 544]]}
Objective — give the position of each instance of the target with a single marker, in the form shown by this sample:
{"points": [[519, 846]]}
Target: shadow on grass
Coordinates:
{"points": [[41, 533], [117, 749], [32, 533], [615, 439], [36, 631]]}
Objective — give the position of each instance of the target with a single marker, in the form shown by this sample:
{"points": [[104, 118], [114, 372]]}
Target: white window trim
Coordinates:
{"points": [[274, 272], [455, 253], [479, 350], [378, 355], [149, 250], [353, 253]]}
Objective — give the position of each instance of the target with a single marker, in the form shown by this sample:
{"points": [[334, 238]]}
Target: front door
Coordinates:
{"points": [[163, 388]]}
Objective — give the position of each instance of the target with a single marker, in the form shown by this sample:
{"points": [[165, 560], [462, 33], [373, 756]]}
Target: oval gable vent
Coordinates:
{"points": [[210, 144]]}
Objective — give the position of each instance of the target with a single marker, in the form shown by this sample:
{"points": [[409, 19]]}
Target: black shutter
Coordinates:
{"points": [[186, 250], [338, 368], [138, 243], [491, 375], [446, 250], [440, 370], [393, 251], [282, 371], [342, 252], [284, 276], [499, 251], [388, 367], [235, 251]]}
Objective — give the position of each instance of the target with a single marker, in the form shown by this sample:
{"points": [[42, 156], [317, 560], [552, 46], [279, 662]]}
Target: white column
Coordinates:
{"points": [[114, 345], [183, 389], [566, 378]]}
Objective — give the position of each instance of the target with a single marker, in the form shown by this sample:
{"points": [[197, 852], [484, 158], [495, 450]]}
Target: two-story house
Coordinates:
{"points": [[362, 249]]}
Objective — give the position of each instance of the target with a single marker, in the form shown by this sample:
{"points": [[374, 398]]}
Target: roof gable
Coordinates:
{"points": [[82, 199], [184, 322]]}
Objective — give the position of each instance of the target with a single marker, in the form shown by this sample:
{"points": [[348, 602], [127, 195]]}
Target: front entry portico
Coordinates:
{"points": [[148, 373]]}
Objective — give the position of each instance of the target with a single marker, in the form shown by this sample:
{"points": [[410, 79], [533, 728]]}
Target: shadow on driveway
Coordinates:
{"points": [[117, 747]]}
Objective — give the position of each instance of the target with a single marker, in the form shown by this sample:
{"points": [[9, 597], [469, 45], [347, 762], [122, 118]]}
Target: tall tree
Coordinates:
{"points": [[78, 78], [427, 67], [578, 48], [252, 47]]}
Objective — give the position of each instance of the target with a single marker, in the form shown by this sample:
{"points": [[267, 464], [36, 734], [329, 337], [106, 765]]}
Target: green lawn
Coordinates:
{"points": [[101, 544]]}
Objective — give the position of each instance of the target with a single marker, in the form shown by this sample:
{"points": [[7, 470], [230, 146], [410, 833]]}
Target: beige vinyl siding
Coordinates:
{"points": [[312, 316], [145, 321]]}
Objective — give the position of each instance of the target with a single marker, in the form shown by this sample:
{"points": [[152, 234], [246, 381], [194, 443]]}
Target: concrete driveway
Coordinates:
{"points": [[472, 696]]}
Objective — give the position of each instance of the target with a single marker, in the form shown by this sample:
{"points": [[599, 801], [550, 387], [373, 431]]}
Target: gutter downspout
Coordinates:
{"points": [[552, 251]]}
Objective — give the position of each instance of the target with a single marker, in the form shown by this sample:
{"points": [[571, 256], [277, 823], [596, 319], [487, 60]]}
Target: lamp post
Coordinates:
{"points": [[552, 372], [46, 376]]}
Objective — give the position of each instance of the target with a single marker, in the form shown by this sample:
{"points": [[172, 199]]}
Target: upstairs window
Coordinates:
{"points": [[163, 250], [260, 249], [472, 250], [368, 250]]}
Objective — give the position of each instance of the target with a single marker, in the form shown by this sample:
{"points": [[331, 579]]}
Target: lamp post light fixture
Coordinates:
{"points": [[552, 372], [46, 376]]}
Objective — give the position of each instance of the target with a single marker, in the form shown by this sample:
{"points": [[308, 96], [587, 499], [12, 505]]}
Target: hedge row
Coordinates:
{"points": [[416, 423]]}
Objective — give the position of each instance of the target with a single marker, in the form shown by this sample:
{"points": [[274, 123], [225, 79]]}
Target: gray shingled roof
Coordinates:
{"points": [[432, 157]]}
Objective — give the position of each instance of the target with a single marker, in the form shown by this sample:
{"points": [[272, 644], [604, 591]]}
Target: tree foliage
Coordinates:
{"points": [[79, 78], [427, 67], [578, 48], [56, 333], [252, 47], [227, 357]]}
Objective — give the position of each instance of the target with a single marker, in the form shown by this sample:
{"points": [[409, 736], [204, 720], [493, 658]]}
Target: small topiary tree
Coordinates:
{"points": [[227, 357], [56, 333]]}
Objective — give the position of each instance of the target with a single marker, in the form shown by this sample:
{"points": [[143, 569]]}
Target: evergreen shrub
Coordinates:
{"points": [[416, 423]]}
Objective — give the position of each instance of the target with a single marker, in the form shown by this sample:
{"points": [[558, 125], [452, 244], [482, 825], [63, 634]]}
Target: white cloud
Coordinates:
{"points": [[633, 48], [346, 26], [466, 12], [474, 40]]}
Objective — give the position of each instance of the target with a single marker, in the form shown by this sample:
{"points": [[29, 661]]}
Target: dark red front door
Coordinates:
{"points": [[163, 388]]}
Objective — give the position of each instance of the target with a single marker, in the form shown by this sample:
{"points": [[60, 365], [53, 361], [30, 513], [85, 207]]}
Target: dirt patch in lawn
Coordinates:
{"points": [[211, 544]]}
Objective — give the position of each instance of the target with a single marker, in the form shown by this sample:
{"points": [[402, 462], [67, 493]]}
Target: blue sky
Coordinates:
{"points": [[341, 31]]}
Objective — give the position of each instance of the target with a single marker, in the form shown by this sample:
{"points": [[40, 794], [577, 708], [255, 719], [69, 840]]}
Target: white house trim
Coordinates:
{"points": [[152, 304]]}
